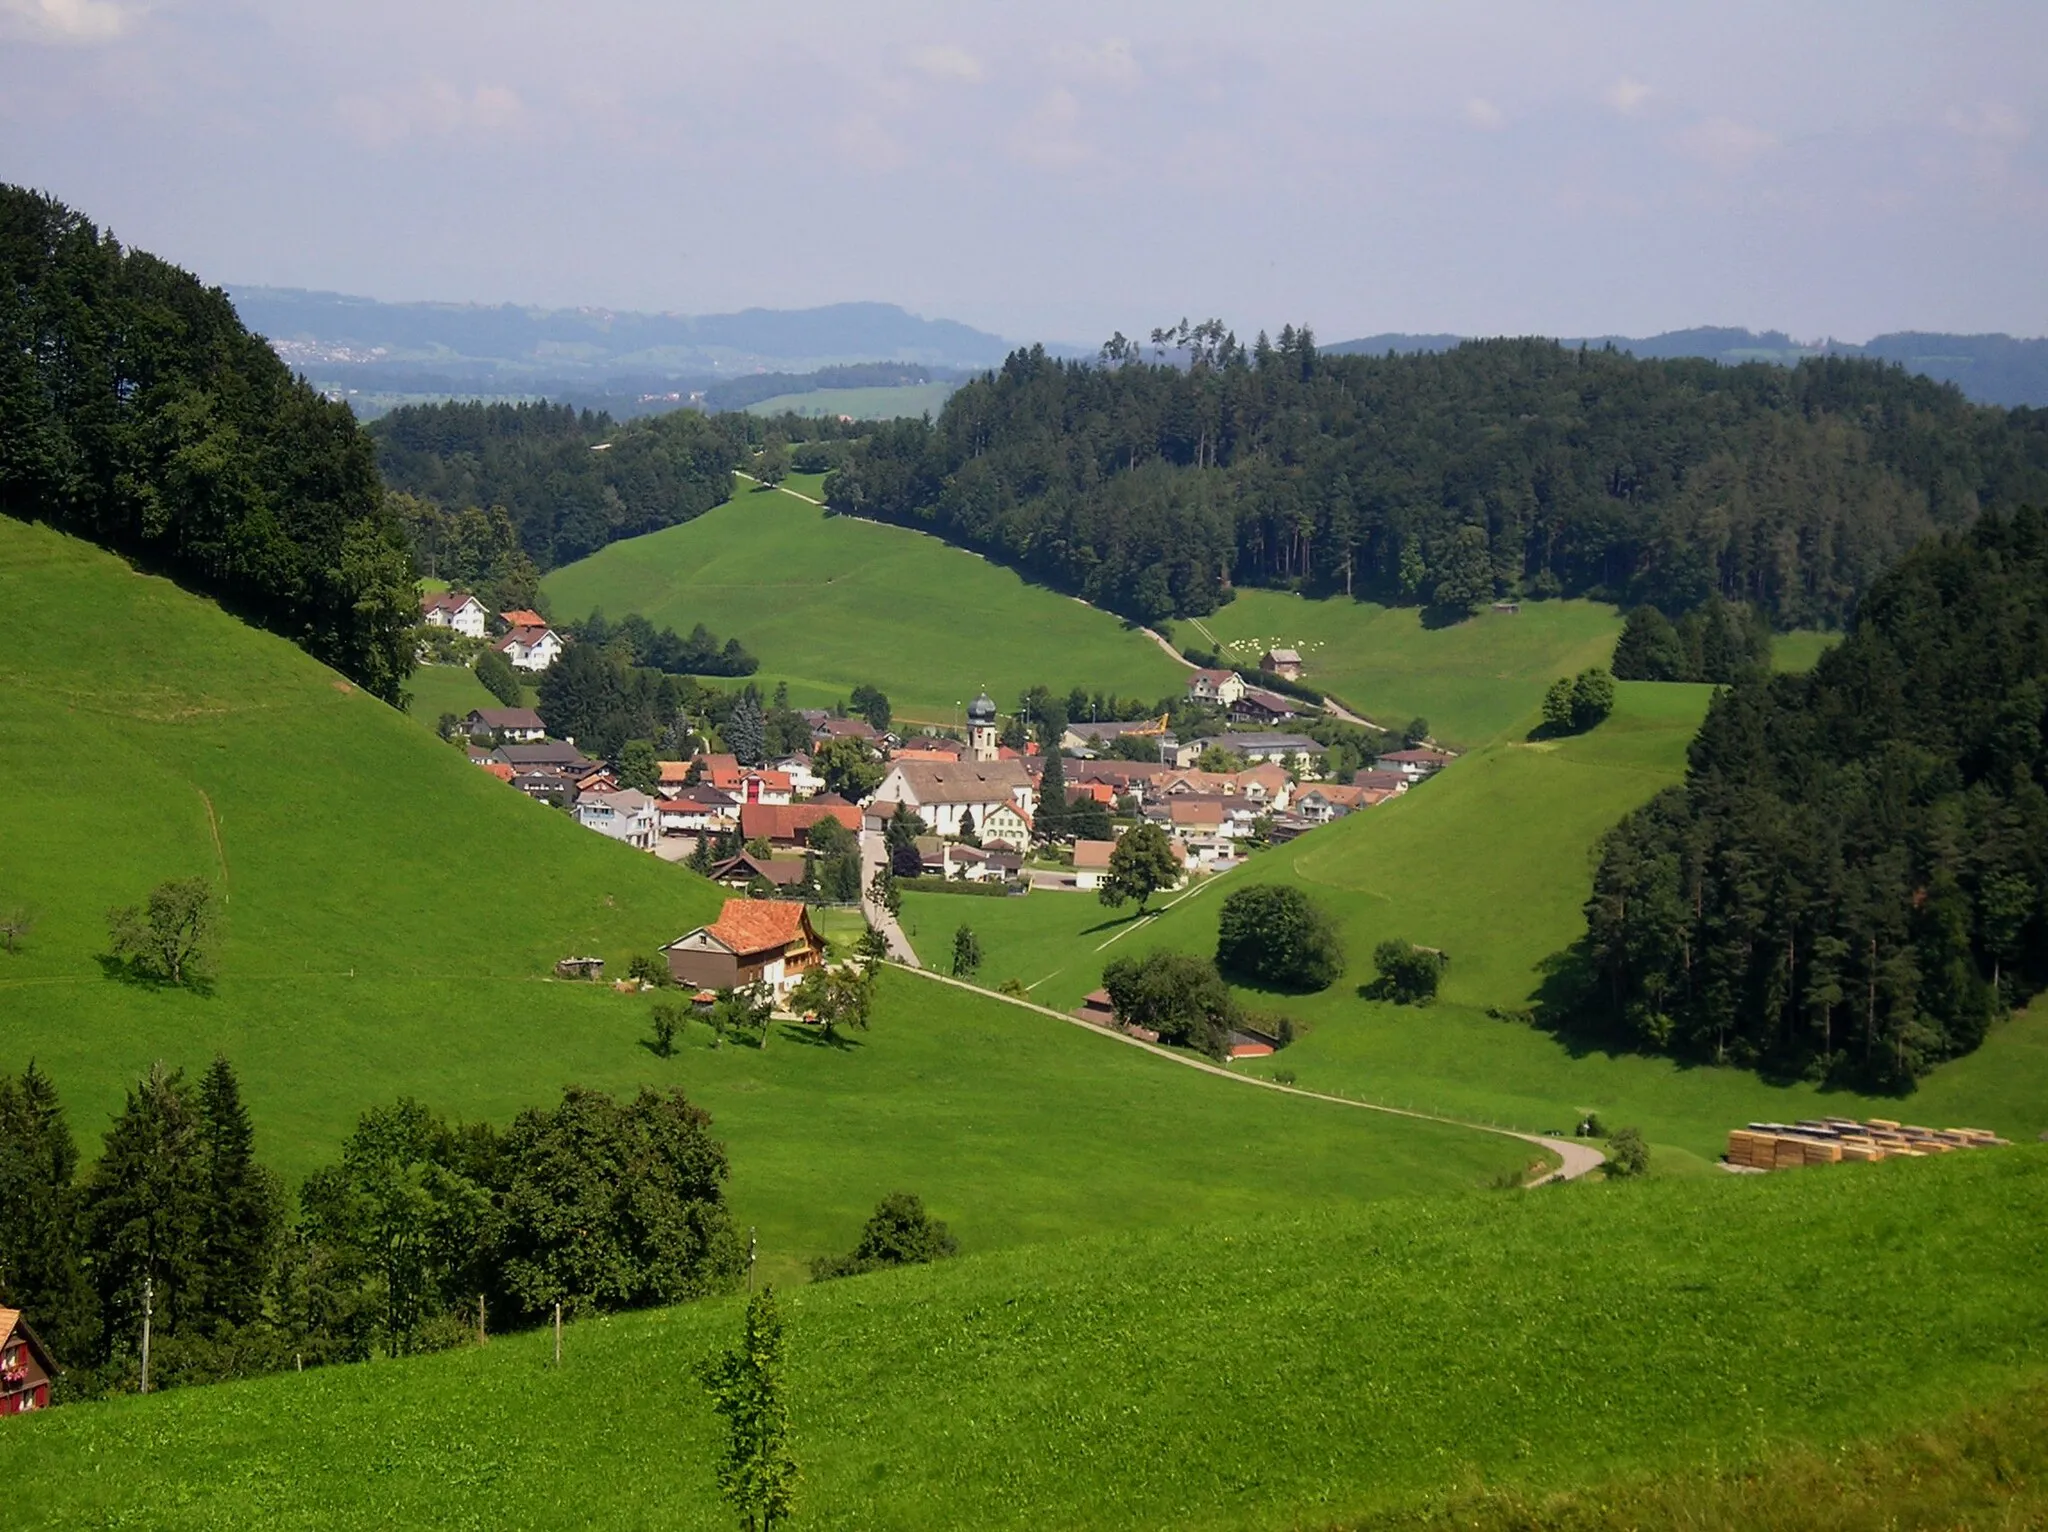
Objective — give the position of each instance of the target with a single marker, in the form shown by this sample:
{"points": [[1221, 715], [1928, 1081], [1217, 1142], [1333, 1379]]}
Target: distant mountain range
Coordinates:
{"points": [[1992, 369]]}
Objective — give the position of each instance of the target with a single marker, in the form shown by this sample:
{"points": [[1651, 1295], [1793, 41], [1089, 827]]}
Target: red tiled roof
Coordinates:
{"points": [[748, 926], [500, 770], [523, 617], [790, 821], [1092, 854]]}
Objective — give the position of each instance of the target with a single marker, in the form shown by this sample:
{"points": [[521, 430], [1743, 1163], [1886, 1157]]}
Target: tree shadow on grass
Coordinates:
{"points": [[1437, 617], [818, 1037], [137, 975], [1114, 921]]}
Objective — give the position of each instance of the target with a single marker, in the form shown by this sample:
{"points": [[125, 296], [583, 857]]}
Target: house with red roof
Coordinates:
{"points": [[754, 941], [789, 824], [25, 1367]]}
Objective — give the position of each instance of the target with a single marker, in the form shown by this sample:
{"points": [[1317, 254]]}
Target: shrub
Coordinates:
{"points": [[1627, 1154], [1576, 705], [1276, 935], [1408, 974], [495, 671], [1180, 997], [898, 1233]]}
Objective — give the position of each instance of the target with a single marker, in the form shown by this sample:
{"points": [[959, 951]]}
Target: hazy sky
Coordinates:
{"points": [[1060, 170]]}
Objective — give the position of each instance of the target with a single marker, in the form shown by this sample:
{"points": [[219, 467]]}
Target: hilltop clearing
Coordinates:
{"points": [[1367, 1363], [830, 603]]}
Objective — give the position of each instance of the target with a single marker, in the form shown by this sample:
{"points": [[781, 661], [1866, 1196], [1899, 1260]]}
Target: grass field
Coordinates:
{"points": [[438, 689], [1799, 651], [392, 915], [1492, 862], [828, 603], [1473, 680], [861, 403], [1278, 1372]]}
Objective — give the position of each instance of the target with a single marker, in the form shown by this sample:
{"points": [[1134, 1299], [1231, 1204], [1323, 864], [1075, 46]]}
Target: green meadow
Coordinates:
{"points": [[879, 403], [391, 920], [1800, 650], [1491, 862], [1472, 680], [828, 603], [1319, 1369], [438, 689]]}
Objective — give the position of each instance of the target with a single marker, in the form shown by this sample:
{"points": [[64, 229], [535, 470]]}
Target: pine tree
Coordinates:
{"points": [[746, 732], [244, 1208], [143, 1209], [40, 1270], [1050, 822]]}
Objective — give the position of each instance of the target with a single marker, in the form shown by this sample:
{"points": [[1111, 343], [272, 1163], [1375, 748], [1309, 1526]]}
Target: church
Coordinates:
{"points": [[983, 793]]}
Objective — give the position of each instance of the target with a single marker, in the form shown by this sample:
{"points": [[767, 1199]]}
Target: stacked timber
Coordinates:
{"points": [[1839, 1140]]}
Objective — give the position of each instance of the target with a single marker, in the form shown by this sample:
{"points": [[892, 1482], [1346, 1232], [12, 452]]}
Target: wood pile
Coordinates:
{"points": [[1840, 1140]]}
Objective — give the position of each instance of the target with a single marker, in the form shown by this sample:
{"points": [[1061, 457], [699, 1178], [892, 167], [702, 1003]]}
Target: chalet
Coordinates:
{"points": [[1415, 764], [513, 725], [1284, 663], [625, 815], [1382, 781], [530, 648], [598, 779], [545, 784], [769, 942], [454, 609], [25, 1367], [1258, 705], [946, 794], [1330, 800], [789, 824], [559, 754], [1217, 688], [739, 871], [696, 811]]}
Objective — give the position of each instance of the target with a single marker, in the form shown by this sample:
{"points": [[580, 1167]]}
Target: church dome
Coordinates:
{"points": [[982, 709]]}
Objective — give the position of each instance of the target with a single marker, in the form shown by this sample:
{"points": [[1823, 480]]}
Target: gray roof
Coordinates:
{"points": [[1250, 740]]}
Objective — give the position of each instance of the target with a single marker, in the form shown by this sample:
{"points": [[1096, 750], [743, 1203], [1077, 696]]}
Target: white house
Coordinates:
{"points": [[696, 811], [530, 648], [803, 778], [944, 793], [515, 725], [1218, 688], [454, 609], [624, 815], [1415, 764]]}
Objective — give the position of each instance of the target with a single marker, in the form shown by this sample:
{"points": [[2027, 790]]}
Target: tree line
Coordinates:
{"points": [[569, 481], [1500, 467], [137, 412], [423, 1232], [637, 641], [1852, 884]]}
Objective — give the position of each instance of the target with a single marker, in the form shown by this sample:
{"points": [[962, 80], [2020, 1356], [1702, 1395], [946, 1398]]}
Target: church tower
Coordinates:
{"points": [[981, 728]]}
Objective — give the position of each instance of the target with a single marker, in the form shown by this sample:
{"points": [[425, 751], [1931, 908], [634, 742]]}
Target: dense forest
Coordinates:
{"points": [[135, 410], [422, 1231], [570, 481], [1853, 882], [1499, 467]]}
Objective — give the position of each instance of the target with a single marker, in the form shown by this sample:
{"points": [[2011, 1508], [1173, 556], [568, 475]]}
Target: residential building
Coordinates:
{"points": [[1005, 824], [454, 609], [1329, 800], [530, 648], [759, 784], [830, 728], [559, 754], [25, 1367], [1258, 746], [625, 815], [1258, 705], [977, 866], [739, 871], [929, 747], [545, 784], [789, 824], [1415, 764], [754, 941], [1087, 738], [1091, 862], [1218, 688], [945, 794], [522, 617], [698, 810], [803, 777], [514, 725], [1284, 663]]}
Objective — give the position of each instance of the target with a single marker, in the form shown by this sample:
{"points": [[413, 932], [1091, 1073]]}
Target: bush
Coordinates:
{"points": [[985, 889], [1275, 935], [898, 1233], [1180, 997], [650, 968], [1627, 1154], [1574, 706], [495, 671], [1408, 974]]}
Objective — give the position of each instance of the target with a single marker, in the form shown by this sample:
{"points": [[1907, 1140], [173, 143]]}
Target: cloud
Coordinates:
{"points": [[1110, 60], [430, 108], [1048, 138], [943, 61], [1482, 113], [1725, 145], [1626, 96], [1993, 121], [81, 22], [867, 143]]}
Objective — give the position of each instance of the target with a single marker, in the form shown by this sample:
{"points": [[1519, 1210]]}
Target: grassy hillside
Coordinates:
{"points": [[860, 403], [829, 602], [1492, 862], [1471, 680], [438, 689], [1272, 1373], [392, 914]]}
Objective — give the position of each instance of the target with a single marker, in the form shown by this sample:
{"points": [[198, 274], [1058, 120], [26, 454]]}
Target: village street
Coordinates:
{"points": [[873, 857]]}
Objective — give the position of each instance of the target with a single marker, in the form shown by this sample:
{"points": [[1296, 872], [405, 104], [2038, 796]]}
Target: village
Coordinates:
{"points": [[950, 809]]}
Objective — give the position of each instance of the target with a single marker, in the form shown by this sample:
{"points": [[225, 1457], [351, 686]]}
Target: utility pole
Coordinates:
{"points": [[752, 1243], [148, 1309]]}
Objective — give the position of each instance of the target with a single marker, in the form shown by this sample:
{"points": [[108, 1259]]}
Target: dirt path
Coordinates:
{"points": [[1578, 1159], [779, 489]]}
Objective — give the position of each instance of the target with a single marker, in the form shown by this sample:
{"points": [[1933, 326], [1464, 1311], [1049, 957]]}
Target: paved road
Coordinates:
{"points": [[872, 853], [1578, 1158]]}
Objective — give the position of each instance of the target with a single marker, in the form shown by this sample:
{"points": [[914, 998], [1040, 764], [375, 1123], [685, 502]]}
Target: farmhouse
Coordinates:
{"points": [[753, 941], [25, 1367], [515, 725], [945, 793], [789, 824], [624, 815], [1284, 663], [1218, 688], [530, 648], [1329, 800], [739, 871], [1415, 764], [1258, 705], [454, 609]]}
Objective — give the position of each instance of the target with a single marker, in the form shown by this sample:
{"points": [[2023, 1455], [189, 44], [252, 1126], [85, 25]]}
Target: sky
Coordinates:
{"points": [[1058, 171]]}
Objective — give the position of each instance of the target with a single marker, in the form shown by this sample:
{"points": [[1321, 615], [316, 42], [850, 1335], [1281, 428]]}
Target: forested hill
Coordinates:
{"points": [[571, 481], [1853, 883], [1498, 467], [136, 411]]}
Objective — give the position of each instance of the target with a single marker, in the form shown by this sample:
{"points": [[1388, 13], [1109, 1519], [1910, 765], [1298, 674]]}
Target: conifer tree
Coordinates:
{"points": [[40, 1270], [1050, 822], [143, 1210], [244, 1208]]}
